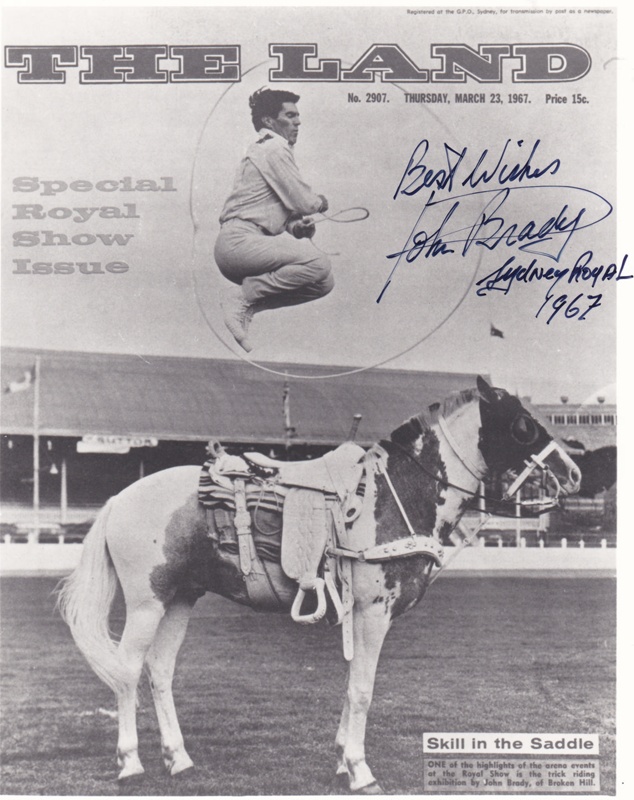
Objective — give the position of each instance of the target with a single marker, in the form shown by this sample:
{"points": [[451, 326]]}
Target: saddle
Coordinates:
{"points": [[312, 496], [337, 472]]}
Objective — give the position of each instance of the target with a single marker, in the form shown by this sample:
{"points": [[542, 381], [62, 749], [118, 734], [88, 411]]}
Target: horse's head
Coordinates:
{"points": [[510, 438]]}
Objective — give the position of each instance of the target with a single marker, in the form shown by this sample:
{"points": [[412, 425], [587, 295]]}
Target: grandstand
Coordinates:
{"points": [[104, 420]]}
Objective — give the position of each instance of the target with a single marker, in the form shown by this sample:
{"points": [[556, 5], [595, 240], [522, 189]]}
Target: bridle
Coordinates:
{"points": [[537, 461]]}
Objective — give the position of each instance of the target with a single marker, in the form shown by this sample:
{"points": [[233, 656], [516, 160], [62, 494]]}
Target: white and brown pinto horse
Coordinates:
{"points": [[149, 537]]}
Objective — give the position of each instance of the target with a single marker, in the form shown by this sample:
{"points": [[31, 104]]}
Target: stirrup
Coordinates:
{"points": [[318, 586]]}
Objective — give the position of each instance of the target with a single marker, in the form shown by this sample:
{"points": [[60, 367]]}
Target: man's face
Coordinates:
{"points": [[286, 123]]}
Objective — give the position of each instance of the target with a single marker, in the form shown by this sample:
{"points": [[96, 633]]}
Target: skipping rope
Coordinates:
{"points": [[346, 215]]}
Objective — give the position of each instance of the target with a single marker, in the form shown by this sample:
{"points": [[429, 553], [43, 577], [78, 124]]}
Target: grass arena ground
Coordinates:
{"points": [[259, 697]]}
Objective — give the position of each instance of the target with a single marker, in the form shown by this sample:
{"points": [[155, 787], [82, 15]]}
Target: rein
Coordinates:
{"points": [[466, 462], [536, 462], [469, 537]]}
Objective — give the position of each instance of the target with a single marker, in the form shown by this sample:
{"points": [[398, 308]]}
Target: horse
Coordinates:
{"points": [[148, 540]]}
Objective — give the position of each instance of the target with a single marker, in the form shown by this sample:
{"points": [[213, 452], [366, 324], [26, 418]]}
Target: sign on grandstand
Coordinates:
{"points": [[113, 444]]}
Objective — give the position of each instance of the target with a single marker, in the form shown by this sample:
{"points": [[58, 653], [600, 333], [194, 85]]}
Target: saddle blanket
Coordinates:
{"points": [[259, 495], [289, 525]]}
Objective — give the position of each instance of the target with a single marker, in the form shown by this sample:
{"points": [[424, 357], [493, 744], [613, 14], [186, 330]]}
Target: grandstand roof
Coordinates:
{"points": [[592, 437], [196, 398], [564, 421]]}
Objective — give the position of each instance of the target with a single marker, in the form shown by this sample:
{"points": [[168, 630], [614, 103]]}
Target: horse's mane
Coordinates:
{"points": [[455, 401], [412, 428]]}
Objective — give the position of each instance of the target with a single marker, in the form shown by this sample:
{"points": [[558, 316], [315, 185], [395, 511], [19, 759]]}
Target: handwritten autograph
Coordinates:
{"points": [[423, 176], [503, 278], [495, 213]]}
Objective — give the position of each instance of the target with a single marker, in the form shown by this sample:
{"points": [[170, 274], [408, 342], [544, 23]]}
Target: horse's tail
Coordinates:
{"points": [[84, 600]]}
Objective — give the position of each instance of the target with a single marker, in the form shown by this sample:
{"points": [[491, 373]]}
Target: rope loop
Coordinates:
{"points": [[346, 215]]}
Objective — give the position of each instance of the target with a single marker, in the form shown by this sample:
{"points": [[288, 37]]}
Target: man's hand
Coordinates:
{"points": [[324, 204], [303, 228]]}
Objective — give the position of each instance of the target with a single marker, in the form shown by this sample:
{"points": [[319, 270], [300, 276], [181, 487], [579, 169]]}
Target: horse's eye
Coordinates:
{"points": [[524, 430]]}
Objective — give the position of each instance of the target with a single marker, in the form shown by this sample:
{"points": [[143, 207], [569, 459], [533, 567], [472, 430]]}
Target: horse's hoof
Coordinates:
{"points": [[128, 782], [131, 768], [178, 763], [371, 788], [188, 772]]}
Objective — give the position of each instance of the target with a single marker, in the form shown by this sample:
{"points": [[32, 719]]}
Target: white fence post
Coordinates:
{"points": [[518, 518], [564, 541]]}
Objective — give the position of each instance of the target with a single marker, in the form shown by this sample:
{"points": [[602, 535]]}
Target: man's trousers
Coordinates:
{"points": [[274, 271]]}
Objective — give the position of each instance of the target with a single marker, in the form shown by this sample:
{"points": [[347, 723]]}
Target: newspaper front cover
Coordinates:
{"points": [[273, 230]]}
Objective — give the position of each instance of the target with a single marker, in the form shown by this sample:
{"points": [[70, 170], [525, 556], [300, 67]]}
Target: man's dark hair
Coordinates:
{"points": [[268, 103]]}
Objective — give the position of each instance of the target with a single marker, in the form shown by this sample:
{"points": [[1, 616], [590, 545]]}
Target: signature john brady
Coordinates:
{"points": [[502, 202]]}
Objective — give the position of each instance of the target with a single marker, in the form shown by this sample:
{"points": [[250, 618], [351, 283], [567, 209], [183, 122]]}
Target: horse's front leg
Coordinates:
{"points": [[371, 624], [342, 776]]}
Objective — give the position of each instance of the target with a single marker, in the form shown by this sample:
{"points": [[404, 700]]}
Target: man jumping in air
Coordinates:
{"points": [[269, 201]]}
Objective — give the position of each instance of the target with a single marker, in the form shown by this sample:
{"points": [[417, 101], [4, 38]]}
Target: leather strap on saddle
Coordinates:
{"points": [[242, 522]]}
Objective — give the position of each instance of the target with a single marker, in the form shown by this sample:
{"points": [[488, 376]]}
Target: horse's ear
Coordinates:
{"points": [[486, 392]]}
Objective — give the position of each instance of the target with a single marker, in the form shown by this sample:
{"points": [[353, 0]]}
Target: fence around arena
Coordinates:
{"points": [[573, 538], [59, 552]]}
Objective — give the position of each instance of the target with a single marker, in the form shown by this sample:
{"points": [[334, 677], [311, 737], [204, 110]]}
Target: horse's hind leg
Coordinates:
{"points": [[161, 660], [142, 622]]}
